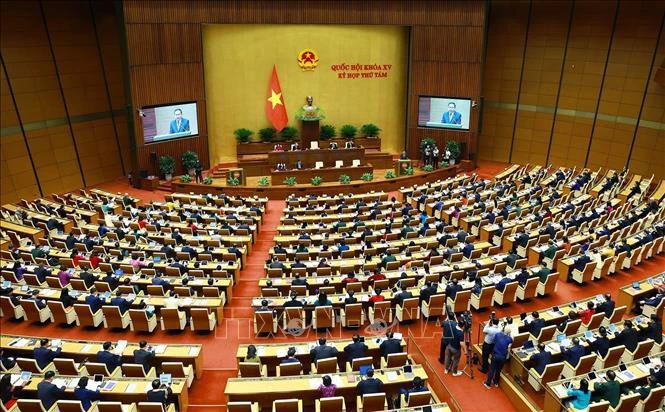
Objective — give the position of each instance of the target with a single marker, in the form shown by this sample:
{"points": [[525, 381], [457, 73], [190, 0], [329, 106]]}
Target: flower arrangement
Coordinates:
{"points": [[264, 181], [390, 174], [189, 160], [409, 171], [207, 180], [348, 131], [370, 130], [327, 132], [243, 135], [443, 163], [344, 179], [290, 181], [233, 181], [185, 178], [316, 180], [267, 134], [428, 168], [367, 177]]}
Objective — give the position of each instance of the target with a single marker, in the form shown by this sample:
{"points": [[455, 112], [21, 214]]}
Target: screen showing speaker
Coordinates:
{"points": [[168, 122], [444, 112]]}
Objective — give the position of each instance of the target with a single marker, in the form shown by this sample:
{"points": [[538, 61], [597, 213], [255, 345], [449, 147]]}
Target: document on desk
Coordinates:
{"points": [[644, 368], [132, 388], [193, 351], [86, 348], [314, 383], [391, 376], [160, 349]]}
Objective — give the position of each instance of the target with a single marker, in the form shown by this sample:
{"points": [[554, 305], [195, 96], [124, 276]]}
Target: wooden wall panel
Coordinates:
{"points": [[164, 42]]}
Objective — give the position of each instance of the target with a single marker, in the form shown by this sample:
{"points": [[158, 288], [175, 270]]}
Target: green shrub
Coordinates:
{"points": [[185, 178], [264, 181], [348, 131], [290, 181], [443, 163], [189, 160], [233, 181], [390, 174], [344, 179], [327, 132], [289, 133], [243, 135], [454, 148], [428, 141], [370, 130], [166, 165], [316, 180], [367, 177], [428, 168], [409, 171], [207, 180], [267, 134]]}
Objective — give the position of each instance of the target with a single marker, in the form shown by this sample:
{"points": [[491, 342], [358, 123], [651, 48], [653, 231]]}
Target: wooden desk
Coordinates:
{"points": [[628, 295], [310, 157], [68, 224], [117, 196], [328, 174], [188, 354], [126, 390], [149, 183], [23, 231], [305, 387]]}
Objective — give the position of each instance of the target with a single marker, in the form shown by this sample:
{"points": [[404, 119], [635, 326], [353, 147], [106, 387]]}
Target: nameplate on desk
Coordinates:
{"points": [[193, 351], [132, 388]]}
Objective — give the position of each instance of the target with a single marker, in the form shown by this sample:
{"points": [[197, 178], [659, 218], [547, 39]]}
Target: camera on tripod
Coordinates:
{"points": [[465, 320]]}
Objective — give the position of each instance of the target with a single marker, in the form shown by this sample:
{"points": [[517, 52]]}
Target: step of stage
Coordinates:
{"points": [[164, 185]]}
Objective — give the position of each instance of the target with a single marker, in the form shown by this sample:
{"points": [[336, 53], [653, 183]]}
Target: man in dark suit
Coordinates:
{"points": [[159, 393], [122, 303], [452, 116], [294, 302], [428, 291], [370, 384], [88, 278], [5, 361], [322, 351], [608, 391], [401, 296], [607, 307], [44, 355], [452, 289], [350, 299], [540, 359], [501, 285], [573, 354], [356, 349], [179, 124], [160, 281], [390, 345], [93, 300], [144, 355], [279, 249], [276, 264], [627, 337], [536, 324], [111, 280], [581, 262], [601, 344], [47, 392], [105, 356]]}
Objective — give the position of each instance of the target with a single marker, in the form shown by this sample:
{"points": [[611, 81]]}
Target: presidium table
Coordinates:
{"points": [[327, 159]]}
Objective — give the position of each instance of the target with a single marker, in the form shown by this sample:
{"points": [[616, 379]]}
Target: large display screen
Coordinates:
{"points": [[444, 112], [166, 122]]}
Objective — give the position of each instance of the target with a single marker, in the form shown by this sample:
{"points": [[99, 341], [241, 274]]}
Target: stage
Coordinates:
{"points": [[281, 191]]}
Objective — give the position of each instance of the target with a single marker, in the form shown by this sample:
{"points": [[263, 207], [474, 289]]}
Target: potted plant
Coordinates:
{"points": [[207, 180], [316, 180], [390, 174], [289, 133], [443, 163], [290, 181], [185, 178], [233, 181], [428, 168], [264, 181], [189, 160], [367, 177], [167, 166], [370, 130], [348, 131], [409, 171], [243, 135], [428, 141], [327, 132], [267, 134], [344, 179], [453, 147]]}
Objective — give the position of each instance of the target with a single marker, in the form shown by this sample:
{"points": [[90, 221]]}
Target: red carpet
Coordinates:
{"points": [[220, 348]]}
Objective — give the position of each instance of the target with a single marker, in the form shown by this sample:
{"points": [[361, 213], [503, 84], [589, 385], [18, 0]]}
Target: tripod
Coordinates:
{"points": [[469, 355]]}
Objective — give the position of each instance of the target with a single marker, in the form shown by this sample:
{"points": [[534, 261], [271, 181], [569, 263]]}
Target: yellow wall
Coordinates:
{"points": [[238, 60]]}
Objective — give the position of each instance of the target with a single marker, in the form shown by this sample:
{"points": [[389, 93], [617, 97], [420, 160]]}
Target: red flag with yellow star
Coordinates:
{"points": [[275, 110]]}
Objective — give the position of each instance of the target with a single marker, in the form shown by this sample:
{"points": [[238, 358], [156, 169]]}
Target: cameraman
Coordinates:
{"points": [[490, 330], [447, 326], [454, 349]]}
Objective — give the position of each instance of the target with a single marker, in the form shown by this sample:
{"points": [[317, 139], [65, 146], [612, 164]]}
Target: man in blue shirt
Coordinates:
{"points": [[502, 344]]}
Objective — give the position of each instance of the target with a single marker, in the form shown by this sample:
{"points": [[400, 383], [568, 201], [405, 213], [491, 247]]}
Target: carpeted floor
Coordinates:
{"points": [[207, 394]]}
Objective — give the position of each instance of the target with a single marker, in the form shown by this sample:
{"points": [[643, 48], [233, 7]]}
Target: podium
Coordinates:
{"points": [[309, 131]]}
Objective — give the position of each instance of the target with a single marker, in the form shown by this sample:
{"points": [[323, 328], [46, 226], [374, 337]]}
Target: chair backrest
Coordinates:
{"points": [[264, 321], [486, 296], [374, 401], [552, 372], [29, 365], [546, 333], [334, 404], [155, 290], [110, 406], [176, 369], [627, 403], [139, 319], [199, 318], [294, 314], [286, 405], [112, 316], [171, 318], [149, 407], [65, 366], [382, 311], [643, 348], [596, 321], [572, 327], [353, 313], [326, 365], [396, 360], [30, 308], [30, 405], [70, 406], [358, 362], [249, 369], [510, 291], [462, 301], [410, 308], [436, 304], [84, 314], [655, 398], [599, 407], [585, 364], [618, 313], [95, 368], [530, 287], [613, 356], [239, 407], [7, 305], [419, 399], [324, 316], [290, 369]]}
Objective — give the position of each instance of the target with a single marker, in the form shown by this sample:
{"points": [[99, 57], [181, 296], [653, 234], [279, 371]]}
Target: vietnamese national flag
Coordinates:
{"points": [[275, 110]]}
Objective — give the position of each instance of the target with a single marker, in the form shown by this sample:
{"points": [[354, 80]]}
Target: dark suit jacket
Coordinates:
{"points": [[111, 360], [399, 298], [94, 302], [44, 356], [541, 360], [159, 395], [369, 385], [144, 357], [48, 393], [535, 326], [607, 307], [355, 350], [629, 338], [121, 303], [184, 126], [389, 346], [86, 396], [88, 278], [293, 304], [600, 345], [573, 354], [323, 352]]}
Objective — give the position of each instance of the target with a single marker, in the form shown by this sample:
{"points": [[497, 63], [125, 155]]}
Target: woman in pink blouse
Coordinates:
{"points": [[327, 388]]}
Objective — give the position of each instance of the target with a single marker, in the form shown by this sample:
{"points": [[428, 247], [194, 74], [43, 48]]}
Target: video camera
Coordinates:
{"points": [[465, 320]]}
